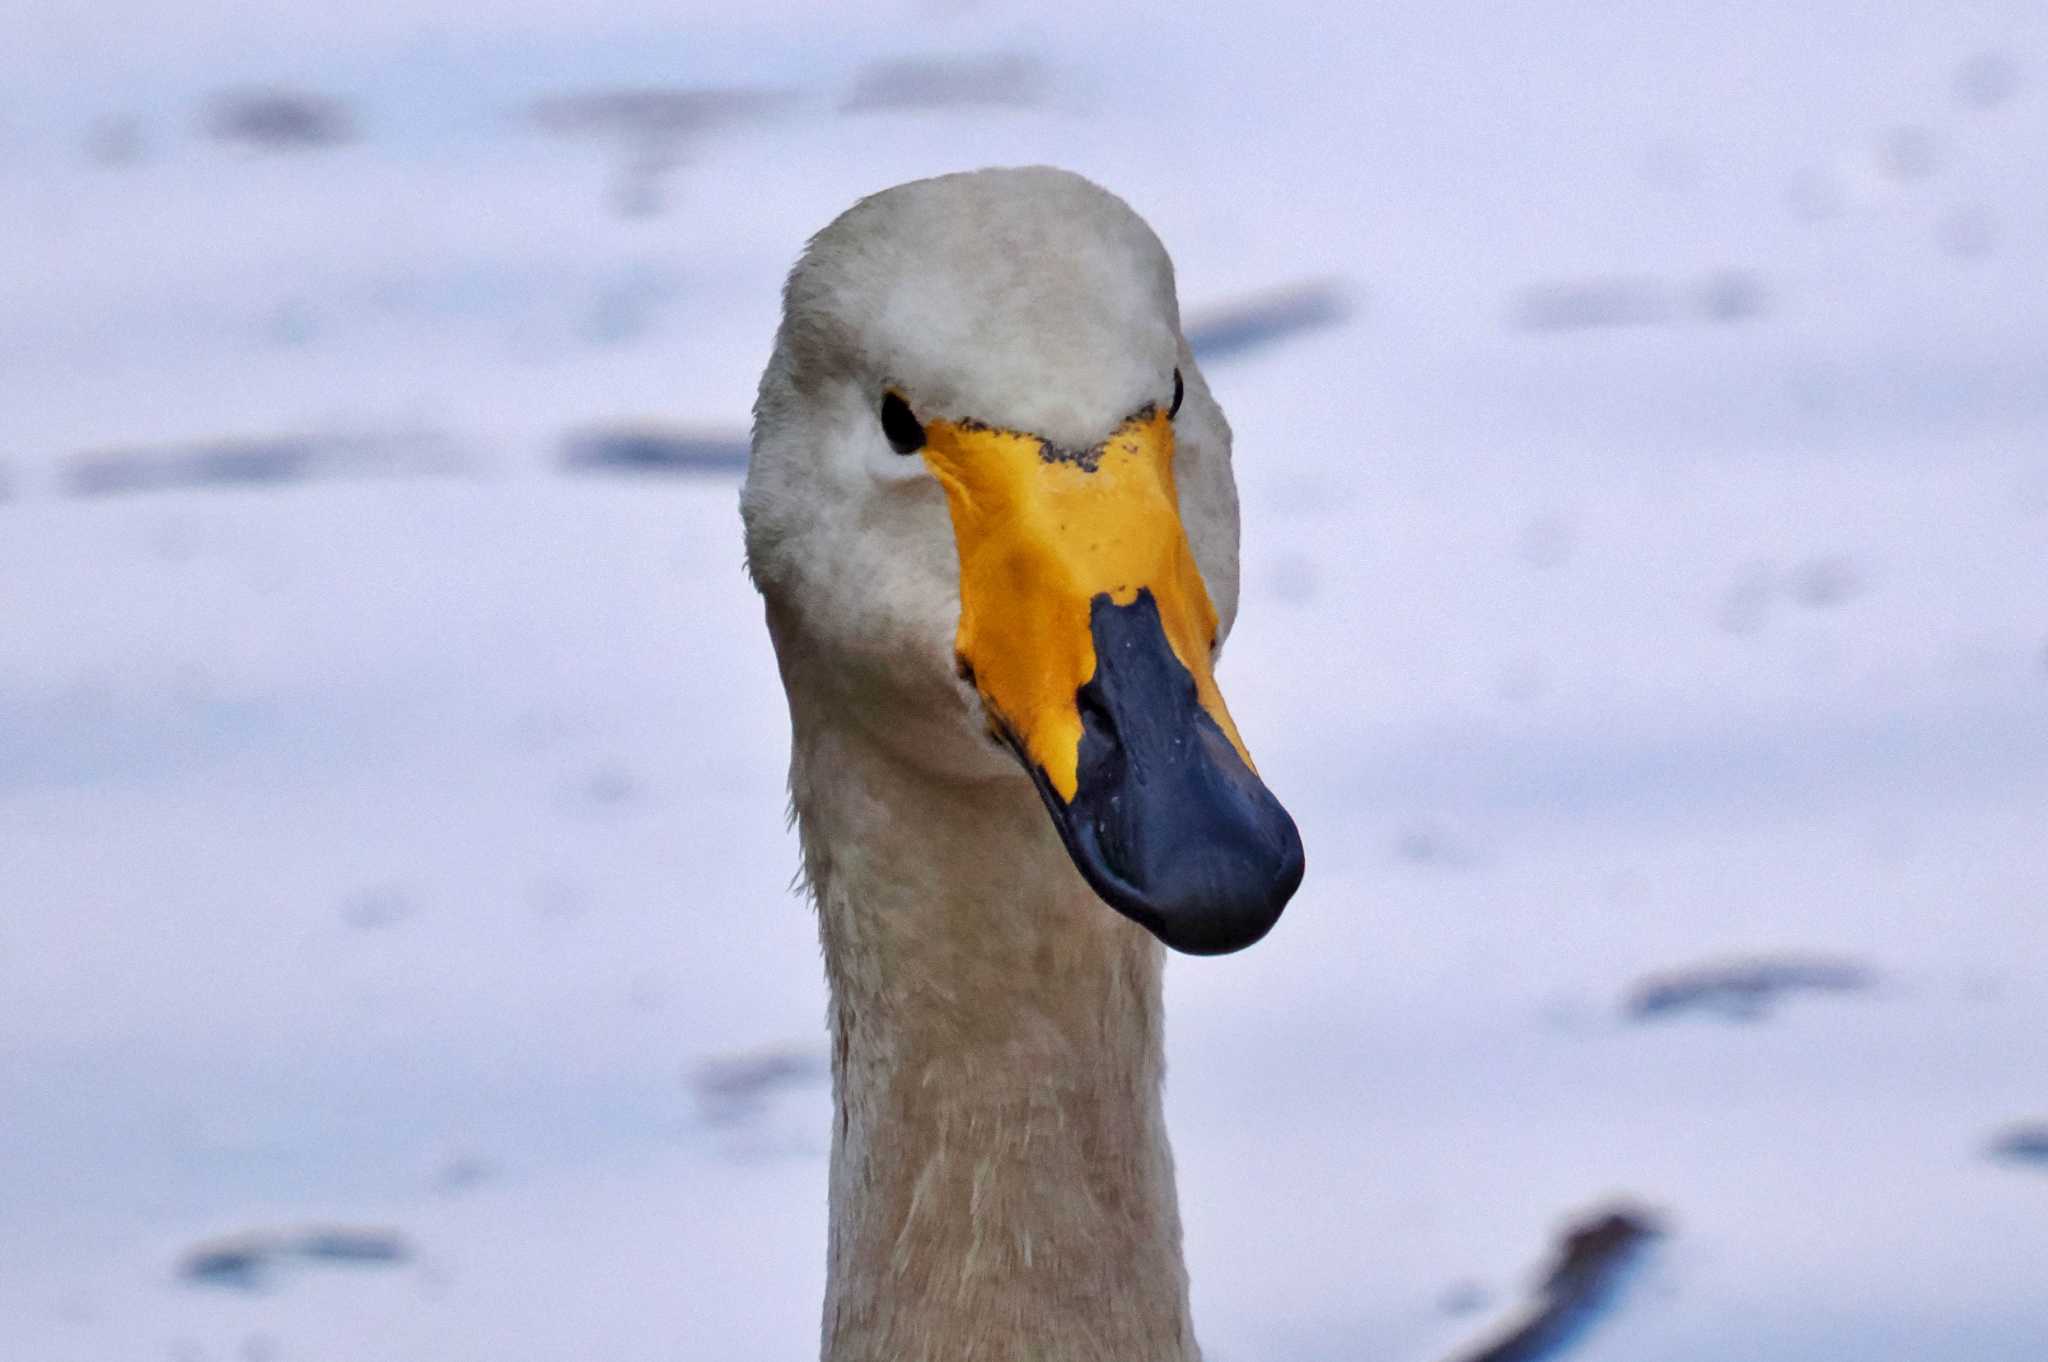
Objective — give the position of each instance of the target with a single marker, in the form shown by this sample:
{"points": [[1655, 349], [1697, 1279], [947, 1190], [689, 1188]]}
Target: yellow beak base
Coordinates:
{"points": [[1043, 531]]}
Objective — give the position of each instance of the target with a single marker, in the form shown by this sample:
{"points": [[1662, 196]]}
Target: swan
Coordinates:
{"points": [[990, 510]]}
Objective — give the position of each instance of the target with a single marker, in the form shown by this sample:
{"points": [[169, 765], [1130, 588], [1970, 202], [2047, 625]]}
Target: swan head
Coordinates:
{"points": [[990, 507]]}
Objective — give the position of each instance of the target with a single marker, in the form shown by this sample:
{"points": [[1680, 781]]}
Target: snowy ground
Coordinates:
{"points": [[1651, 572]]}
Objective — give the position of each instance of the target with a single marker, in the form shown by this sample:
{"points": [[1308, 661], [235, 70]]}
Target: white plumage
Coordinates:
{"points": [[1001, 1183]]}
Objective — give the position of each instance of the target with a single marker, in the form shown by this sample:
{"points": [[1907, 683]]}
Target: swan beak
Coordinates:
{"points": [[1088, 632]]}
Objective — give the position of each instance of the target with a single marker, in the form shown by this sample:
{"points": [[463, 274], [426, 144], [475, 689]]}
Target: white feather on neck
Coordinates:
{"points": [[1001, 1184]]}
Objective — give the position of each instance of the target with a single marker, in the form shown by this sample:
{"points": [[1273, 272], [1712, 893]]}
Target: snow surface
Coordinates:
{"points": [[1650, 572]]}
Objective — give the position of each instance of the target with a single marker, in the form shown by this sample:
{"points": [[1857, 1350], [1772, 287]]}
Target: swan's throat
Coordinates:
{"points": [[1001, 1182]]}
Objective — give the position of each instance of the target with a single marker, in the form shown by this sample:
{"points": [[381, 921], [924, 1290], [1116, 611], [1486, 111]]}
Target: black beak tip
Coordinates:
{"points": [[1169, 823], [1217, 896]]}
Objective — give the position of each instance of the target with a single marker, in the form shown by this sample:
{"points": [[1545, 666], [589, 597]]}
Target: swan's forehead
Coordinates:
{"points": [[1031, 300]]}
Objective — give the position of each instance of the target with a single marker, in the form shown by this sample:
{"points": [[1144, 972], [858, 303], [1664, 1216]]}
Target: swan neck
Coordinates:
{"points": [[1001, 1183]]}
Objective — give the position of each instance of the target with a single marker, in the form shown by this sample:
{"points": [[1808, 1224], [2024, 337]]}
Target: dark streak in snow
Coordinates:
{"points": [[735, 1088], [1238, 328], [997, 80], [1742, 990], [1594, 1261], [2023, 1144], [651, 449], [246, 1262], [264, 462], [279, 120]]}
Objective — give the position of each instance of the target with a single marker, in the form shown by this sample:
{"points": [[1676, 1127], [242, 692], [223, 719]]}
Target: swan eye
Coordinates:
{"points": [[906, 436], [1179, 391]]}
